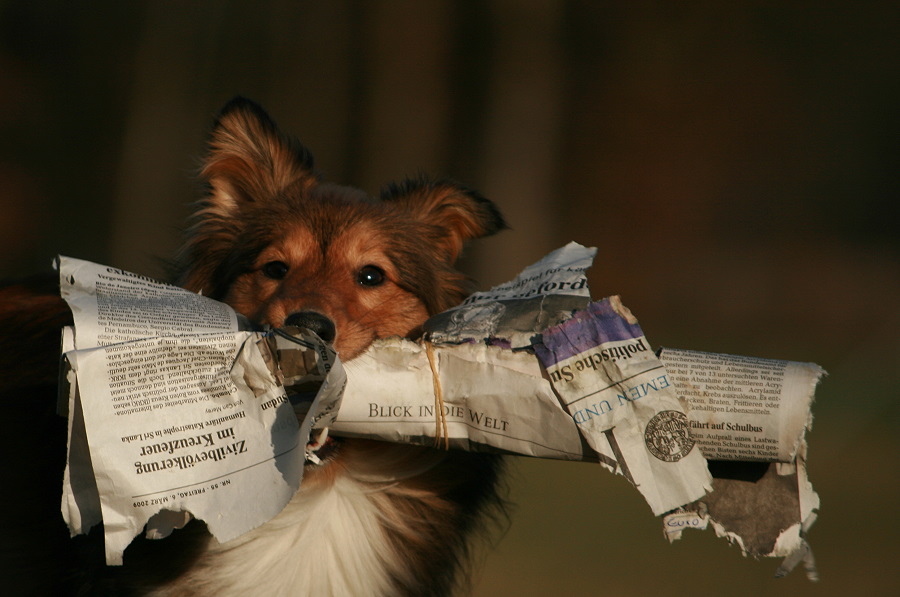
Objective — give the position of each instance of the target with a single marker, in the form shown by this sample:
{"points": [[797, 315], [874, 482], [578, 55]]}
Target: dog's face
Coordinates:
{"points": [[282, 248], [336, 267]]}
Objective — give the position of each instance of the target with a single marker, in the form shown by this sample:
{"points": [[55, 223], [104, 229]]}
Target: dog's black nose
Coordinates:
{"points": [[313, 321]]}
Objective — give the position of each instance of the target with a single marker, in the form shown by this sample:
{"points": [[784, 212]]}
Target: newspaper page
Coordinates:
{"points": [[490, 399], [744, 408], [622, 399], [750, 416], [178, 409], [514, 313]]}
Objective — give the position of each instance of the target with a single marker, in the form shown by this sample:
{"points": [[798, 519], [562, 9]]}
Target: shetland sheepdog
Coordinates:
{"points": [[282, 247]]}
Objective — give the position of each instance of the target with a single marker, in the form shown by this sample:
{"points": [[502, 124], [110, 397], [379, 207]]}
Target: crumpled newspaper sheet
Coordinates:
{"points": [[174, 410], [162, 376], [750, 416]]}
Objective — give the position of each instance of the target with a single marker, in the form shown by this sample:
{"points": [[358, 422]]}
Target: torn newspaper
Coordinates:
{"points": [[173, 410], [750, 417], [163, 378]]}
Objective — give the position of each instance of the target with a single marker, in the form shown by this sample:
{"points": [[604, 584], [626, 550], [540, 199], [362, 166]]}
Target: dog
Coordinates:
{"points": [[282, 247]]}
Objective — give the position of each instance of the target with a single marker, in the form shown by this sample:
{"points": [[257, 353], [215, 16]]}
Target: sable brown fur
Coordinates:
{"points": [[276, 242]]}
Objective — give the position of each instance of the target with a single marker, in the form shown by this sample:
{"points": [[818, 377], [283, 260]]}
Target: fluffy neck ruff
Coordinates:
{"points": [[377, 520]]}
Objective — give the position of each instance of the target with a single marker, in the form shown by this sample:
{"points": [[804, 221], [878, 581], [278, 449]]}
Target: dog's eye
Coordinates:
{"points": [[370, 276], [276, 270]]}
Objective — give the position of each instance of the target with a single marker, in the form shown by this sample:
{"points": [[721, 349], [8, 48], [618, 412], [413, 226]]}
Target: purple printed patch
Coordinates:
{"points": [[596, 325]]}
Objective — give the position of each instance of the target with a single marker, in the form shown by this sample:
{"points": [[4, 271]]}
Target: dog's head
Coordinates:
{"points": [[282, 247]]}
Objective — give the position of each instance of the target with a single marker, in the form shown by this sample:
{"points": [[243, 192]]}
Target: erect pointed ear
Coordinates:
{"points": [[250, 161], [454, 213], [250, 164]]}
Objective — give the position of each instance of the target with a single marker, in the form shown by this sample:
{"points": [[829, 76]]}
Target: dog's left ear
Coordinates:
{"points": [[453, 213], [250, 162]]}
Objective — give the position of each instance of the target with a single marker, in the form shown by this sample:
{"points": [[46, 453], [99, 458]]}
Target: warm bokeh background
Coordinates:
{"points": [[736, 164]]}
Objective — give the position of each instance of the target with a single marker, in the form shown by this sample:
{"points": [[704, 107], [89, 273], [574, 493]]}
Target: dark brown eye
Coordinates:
{"points": [[276, 270], [370, 276]]}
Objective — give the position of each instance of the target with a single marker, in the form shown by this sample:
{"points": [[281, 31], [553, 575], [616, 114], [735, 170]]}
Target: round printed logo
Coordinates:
{"points": [[667, 436]]}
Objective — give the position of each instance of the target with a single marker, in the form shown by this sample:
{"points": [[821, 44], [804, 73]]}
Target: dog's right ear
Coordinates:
{"points": [[250, 161], [250, 165]]}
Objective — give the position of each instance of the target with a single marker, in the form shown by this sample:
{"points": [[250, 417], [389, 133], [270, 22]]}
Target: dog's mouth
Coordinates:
{"points": [[301, 373]]}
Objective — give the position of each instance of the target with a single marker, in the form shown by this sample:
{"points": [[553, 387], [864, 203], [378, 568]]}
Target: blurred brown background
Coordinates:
{"points": [[736, 164]]}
